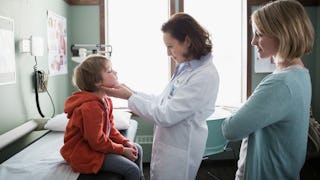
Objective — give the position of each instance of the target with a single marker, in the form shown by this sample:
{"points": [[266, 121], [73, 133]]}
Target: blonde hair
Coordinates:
{"points": [[288, 22], [88, 73]]}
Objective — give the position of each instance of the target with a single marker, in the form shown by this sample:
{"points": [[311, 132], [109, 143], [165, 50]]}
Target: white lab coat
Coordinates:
{"points": [[179, 115]]}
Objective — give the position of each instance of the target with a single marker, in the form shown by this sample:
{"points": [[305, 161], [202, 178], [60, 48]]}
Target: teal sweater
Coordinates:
{"points": [[275, 119]]}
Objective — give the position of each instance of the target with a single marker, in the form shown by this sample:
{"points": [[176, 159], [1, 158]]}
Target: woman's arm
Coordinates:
{"points": [[269, 103]]}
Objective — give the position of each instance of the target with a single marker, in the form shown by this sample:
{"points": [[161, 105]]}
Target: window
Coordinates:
{"points": [[133, 28], [223, 20], [139, 54]]}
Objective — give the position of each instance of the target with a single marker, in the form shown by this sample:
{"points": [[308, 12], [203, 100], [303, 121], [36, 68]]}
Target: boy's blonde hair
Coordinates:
{"points": [[288, 22], [88, 73]]}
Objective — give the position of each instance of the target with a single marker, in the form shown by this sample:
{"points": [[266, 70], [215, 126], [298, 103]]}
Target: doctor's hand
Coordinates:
{"points": [[121, 91], [130, 153]]}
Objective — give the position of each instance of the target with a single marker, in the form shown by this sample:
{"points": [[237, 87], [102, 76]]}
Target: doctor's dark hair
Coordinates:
{"points": [[89, 72], [288, 22], [182, 25]]}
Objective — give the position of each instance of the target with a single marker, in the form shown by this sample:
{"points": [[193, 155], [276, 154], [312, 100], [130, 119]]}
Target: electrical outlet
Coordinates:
{"points": [[42, 81]]}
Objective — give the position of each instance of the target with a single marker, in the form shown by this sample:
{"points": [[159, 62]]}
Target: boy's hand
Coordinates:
{"points": [[130, 153], [131, 145]]}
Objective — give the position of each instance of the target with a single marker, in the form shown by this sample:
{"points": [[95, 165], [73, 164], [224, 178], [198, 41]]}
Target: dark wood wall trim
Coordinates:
{"points": [[310, 2], [83, 2], [181, 6], [102, 22], [303, 2], [172, 7], [172, 11], [251, 3]]}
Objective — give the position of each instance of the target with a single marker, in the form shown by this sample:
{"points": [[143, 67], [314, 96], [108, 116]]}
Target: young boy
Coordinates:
{"points": [[91, 142]]}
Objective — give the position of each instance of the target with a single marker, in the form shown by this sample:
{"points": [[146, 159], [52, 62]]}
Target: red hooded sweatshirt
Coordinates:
{"points": [[85, 140]]}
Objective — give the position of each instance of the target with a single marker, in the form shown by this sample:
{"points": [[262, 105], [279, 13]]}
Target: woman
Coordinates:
{"points": [[180, 112], [273, 123]]}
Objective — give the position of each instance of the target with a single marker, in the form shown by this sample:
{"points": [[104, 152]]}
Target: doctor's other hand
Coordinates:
{"points": [[121, 91]]}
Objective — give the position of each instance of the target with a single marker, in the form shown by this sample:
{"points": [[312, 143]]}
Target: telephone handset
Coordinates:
{"points": [[38, 82], [41, 81]]}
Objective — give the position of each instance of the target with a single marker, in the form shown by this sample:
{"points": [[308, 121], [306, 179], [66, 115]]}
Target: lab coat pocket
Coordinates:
{"points": [[169, 162]]}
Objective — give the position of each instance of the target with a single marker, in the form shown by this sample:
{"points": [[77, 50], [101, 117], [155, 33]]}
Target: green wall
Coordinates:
{"points": [[18, 100], [18, 103], [84, 23], [30, 16], [144, 137]]}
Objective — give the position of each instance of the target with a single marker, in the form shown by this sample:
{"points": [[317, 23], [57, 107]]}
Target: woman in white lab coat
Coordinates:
{"points": [[180, 112]]}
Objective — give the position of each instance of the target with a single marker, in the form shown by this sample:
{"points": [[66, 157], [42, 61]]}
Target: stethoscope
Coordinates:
{"points": [[175, 80]]}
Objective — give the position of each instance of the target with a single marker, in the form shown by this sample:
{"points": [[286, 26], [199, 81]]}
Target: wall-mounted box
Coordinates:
{"points": [[24, 46]]}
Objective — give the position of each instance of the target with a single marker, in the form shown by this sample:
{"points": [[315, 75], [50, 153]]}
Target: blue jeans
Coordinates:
{"points": [[121, 165]]}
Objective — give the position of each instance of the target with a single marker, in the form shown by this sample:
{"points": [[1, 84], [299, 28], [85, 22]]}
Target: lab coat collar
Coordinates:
{"points": [[193, 64]]}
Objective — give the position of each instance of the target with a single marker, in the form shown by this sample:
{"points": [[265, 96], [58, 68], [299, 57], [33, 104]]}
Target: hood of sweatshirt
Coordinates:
{"points": [[79, 98]]}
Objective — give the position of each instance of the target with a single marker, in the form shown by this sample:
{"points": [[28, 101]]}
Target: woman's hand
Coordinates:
{"points": [[121, 91]]}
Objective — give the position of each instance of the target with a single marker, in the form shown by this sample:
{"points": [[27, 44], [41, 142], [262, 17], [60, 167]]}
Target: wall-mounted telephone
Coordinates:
{"points": [[40, 81], [35, 46]]}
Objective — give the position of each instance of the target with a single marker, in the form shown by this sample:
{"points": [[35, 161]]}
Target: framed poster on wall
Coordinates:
{"points": [[57, 44], [7, 51]]}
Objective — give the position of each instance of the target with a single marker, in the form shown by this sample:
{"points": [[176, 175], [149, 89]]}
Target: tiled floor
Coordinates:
{"points": [[225, 170]]}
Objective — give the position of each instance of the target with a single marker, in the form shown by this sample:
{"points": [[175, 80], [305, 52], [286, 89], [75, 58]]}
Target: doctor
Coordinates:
{"points": [[180, 112]]}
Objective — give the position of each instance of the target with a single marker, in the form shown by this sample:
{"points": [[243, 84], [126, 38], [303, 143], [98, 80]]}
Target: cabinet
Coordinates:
{"points": [[144, 137], [83, 2]]}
